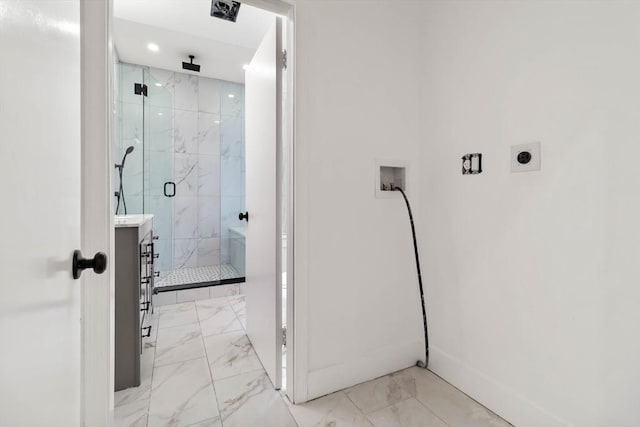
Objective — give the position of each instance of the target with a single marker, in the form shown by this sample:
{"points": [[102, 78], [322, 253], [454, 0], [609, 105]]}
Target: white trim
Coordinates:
{"points": [[505, 402], [97, 216], [290, 117], [97, 41]]}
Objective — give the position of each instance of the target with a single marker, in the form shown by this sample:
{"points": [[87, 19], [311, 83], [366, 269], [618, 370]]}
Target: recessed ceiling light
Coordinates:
{"points": [[160, 114], [159, 84], [245, 66], [216, 122], [153, 47], [231, 95]]}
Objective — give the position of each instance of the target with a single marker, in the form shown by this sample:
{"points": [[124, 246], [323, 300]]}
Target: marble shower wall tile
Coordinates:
{"points": [[190, 124], [161, 87], [209, 175], [231, 99], [208, 217], [185, 218], [231, 206], [185, 253], [232, 137], [185, 174], [160, 171], [185, 131], [130, 75], [161, 131], [208, 252], [162, 208], [185, 92], [232, 175], [209, 133], [209, 95]]}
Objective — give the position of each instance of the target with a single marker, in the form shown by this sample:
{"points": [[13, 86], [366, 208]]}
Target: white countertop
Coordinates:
{"points": [[131, 220]]}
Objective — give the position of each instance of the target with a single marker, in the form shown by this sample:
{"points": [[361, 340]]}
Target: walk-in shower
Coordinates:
{"points": [[186, 168]]}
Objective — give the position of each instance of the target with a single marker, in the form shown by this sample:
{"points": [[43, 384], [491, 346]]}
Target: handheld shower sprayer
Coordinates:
{"points": [[120, 193], [420, 363], [126, 153]]}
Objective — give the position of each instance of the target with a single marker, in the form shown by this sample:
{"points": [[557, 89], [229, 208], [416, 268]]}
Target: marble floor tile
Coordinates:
{"points": [[238, 304], [177, 315], [379, 393], [408, 413], [182, 395], [250, 400], [132, 414], [178, 344], [213, 422], [230, 354], [450, 404], [217, 317], [143, 391], [334, 410]]}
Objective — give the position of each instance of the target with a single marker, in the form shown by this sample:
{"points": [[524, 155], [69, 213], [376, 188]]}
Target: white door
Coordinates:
{"points": [[263, 97], [40, 125]]}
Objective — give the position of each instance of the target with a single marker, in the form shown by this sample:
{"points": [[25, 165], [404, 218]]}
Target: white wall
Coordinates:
{"points": [[533, 279], [356, 100]]}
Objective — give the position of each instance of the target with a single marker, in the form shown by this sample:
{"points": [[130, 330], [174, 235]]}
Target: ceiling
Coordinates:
{"points": [[184, 27]]}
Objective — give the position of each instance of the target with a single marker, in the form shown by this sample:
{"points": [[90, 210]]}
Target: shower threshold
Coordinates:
{"points": [[198, 277]]}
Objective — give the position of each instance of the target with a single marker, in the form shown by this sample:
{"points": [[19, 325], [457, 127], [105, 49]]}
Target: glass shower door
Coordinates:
{"points": [[159, 197], [129, 128], [232, 181]]}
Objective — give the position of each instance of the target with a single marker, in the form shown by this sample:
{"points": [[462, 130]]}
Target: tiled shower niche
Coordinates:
{"points": [[188, 130]]}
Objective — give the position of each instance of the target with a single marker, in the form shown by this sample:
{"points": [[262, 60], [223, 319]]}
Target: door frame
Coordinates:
{"points": [[97, 382], [97, 233]]}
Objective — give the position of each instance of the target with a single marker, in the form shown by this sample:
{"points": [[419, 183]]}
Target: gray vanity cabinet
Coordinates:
{"points": [[134, 256]]}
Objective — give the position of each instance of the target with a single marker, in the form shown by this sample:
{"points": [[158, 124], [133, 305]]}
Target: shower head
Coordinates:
{"points": [[190, 65], [126, 153], [225, 9]]}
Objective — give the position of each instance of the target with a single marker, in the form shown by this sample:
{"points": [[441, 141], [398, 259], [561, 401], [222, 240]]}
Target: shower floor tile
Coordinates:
{"points": [[186, 276]]}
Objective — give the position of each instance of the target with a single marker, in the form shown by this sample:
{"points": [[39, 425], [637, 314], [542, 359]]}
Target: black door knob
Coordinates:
{"points": [[244, 216], [98, 263]]}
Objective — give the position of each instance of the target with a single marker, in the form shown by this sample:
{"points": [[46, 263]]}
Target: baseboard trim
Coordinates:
{"points": [[507, 403], [373, 365]]}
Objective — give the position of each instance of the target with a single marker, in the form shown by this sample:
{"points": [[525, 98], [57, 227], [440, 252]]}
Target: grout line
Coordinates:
{"points": [[356, 406]]}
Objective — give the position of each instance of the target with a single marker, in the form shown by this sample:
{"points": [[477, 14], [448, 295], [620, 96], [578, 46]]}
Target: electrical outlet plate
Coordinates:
{"points": [[535, 161]]}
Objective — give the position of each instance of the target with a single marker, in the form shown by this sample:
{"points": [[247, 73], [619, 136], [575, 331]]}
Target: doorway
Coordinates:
{"points": [[187, 169]]}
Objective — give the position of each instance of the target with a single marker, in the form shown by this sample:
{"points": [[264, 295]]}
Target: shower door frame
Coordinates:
{"points": [[99, 48]]}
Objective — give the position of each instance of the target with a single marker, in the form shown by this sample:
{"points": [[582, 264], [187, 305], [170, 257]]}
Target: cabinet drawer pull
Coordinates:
{"points": [[148, 328], [145, 306]]}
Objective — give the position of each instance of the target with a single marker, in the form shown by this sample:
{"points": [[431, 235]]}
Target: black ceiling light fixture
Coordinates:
{"points": [[190, 65], [225, 9]]}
